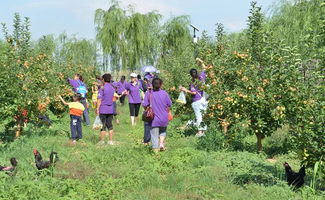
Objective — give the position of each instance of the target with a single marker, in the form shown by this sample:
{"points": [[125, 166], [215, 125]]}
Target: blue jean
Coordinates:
{"points": [[156, 132], [86, 111], [76, 128], [147, 134]]}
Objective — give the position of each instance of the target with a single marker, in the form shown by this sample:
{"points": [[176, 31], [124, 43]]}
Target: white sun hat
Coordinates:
{"points": [[134, 75]]}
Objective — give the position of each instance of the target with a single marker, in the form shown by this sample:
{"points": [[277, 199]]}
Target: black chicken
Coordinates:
{"points": [[41, 164], [45, 120], [10, 169], [293, 178]]}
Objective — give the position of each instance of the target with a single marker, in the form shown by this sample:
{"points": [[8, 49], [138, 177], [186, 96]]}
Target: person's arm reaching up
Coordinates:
{"points": [[65, 103]]}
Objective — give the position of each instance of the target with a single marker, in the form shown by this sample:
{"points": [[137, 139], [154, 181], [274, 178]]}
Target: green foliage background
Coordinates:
{"points": [[266, 83]]}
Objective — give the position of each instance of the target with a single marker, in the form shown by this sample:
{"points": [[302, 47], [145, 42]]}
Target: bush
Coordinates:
{"points": [[213, 141], [278, 143]]}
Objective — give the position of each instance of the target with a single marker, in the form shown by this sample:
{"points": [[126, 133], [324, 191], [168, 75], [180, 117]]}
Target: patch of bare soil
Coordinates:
{"points": [[271, 160], [74, 170]]}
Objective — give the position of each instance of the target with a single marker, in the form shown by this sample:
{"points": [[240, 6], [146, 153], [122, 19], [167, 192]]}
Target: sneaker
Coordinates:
{"points": [[101, 143], [200, 135], [110, 143], [73, 141], [162, 148]]}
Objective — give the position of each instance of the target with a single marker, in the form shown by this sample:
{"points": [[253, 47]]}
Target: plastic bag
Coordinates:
{"points": [[206, 96], [181, 98], [97, 124]]}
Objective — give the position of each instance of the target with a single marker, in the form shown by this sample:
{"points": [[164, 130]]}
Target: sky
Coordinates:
{"points": [[76, 17]]}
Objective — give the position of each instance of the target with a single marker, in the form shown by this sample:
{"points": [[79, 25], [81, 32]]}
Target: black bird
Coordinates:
{"points": [[293, 178], [41, 164], [45, 120], [10, 169]]}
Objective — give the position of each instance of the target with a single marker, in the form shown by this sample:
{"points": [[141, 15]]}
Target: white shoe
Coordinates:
{"points": [[162, 147], [110, 143], [200, 135]]}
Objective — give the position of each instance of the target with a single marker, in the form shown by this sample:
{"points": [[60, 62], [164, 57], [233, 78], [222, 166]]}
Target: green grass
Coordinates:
{"points": [[131, 171]]}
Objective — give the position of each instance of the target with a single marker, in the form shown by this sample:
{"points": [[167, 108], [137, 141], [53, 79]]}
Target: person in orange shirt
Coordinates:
{"points": [[76, 112]]}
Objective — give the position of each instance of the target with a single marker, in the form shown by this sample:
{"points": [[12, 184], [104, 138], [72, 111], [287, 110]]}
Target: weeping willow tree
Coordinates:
{"points": [[321, 42], [70, 50], [298, 23], [176, 35], [128, 39], [46, 44], [177, 51]]}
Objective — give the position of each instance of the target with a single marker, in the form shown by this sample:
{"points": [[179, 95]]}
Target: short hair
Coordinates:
{"points": [[123, 78], [80, 77], [192, 71], [76, 97], [139, 76], [156, 83], [107, 78]]}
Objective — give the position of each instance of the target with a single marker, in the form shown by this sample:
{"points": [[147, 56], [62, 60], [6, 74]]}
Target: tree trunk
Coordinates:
{"points": [[225, 126], [18, 131], [19, 127], [225, 130], [259, 137]]}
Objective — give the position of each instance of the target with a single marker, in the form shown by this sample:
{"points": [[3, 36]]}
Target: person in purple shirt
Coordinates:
{"points": [[76, 82], [135, 92], [199, 103], [143, 83], [105, 109], [160, 102], [147, 125], [149, 76], [121, 88]]}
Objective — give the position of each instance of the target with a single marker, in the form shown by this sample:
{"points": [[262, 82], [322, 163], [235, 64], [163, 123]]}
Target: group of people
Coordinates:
{"points": [[147, 93]]}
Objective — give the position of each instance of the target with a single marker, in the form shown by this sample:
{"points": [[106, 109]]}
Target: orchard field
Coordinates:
{"points": [[131, 171], [266, 107]]}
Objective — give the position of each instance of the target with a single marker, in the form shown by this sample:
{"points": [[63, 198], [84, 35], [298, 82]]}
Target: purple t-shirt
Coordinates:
{"points": [[134, 92], [194, 88], [148, 76], [202, 76], [149, 84], [121, 87], [160, 102], [106, 94], [115, 85], [76, 83]]}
